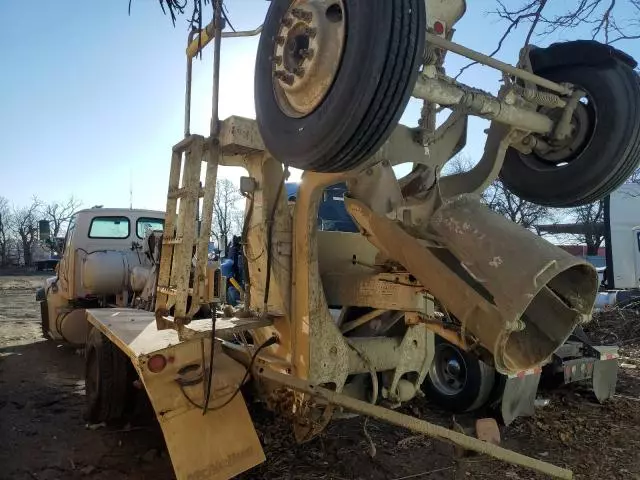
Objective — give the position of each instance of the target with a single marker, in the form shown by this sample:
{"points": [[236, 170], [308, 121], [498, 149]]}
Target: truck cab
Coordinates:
{"points": [[102, 248], [622, 238]]}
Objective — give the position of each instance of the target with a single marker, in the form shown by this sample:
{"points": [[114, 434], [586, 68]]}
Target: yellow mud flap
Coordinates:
{"points": [[217, 445]]}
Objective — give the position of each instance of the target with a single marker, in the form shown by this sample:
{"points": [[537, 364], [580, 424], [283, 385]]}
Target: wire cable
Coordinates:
{"points": [[210, 373], [285, 174], [270, 341]]}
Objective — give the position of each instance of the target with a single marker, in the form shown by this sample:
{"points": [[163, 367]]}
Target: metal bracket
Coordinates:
{"points": [[417, 350]]}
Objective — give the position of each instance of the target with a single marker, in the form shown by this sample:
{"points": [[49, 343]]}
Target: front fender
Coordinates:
{"points": [[578, 52]]}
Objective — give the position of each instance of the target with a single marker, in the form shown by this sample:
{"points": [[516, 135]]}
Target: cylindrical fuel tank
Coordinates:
{"points": [[105, 273], [72, 326], [139, 278]]}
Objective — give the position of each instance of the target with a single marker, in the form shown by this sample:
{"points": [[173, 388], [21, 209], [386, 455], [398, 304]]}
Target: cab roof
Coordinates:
{"points": [[121, 211]]}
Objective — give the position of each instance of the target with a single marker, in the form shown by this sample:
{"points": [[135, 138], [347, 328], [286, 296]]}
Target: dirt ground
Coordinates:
{"points": [[43, 435]]}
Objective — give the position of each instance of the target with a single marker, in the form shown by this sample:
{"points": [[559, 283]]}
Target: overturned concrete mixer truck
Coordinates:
{"points": [[332, 79]]}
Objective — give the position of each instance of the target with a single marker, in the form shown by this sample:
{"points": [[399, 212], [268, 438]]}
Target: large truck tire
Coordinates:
{"points": [[333, 78], [458, 381], [41, 297], [603, 150], [108, 381], [44, 320]]}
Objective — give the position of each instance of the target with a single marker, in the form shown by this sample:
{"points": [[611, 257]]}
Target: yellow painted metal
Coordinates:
{"points": [[205, 36], [215, 446], [186, 232], [236, 285]]}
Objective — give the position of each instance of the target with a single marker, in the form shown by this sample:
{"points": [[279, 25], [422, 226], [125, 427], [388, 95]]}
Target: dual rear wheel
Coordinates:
{"points": [[110, 395]]}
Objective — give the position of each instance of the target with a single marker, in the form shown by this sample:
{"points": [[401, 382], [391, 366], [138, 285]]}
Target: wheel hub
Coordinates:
{"points": [[307, 54], [453, 367], [561, 152], [448, 371]]}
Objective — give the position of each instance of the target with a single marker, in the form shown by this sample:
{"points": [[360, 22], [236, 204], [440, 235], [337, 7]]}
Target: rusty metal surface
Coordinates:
{"points": [[447, 92], [307, 54], [541, 291], [388, 291], [515, 293], [416, 354], [239, 136]]}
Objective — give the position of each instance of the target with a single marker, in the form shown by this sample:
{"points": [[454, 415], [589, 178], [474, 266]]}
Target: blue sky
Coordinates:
{"points": [[91, 97]]}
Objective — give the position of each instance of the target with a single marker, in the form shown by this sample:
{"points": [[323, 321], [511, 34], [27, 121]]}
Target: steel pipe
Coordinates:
{"points": [[208, 33], [481, 104], [497, 64]]}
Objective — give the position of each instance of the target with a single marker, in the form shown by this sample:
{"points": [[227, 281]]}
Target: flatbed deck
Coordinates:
{"points": [[135, 331]]}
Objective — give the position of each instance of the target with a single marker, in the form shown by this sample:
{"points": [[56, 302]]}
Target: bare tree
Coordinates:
{"points": [[517, 210], [227, 216], [176, 8], [591, 217], [501, 200], [610, 21], [5, 221], [59, 213], [25, 227]]}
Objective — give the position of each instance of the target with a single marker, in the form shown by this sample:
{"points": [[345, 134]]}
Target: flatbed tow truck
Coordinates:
{"points": [[332, 79]]}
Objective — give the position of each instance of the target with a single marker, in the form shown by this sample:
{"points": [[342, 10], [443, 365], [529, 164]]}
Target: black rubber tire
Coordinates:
{"points": [[44, 319], [477, 390], [108, 382], [381, 59], [610, 157]]}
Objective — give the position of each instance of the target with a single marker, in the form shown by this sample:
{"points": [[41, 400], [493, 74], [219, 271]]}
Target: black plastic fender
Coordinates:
{"points": [[578, 52]]}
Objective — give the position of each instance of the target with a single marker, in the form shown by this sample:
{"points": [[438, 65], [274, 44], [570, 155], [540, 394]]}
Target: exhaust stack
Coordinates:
{"points": [[518, 294]]}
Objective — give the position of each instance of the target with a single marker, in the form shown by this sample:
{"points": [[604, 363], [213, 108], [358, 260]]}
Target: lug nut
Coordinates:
{"points": [[287, 21], [302, 14], [284, 77], [306, 53], [280, 40]]}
